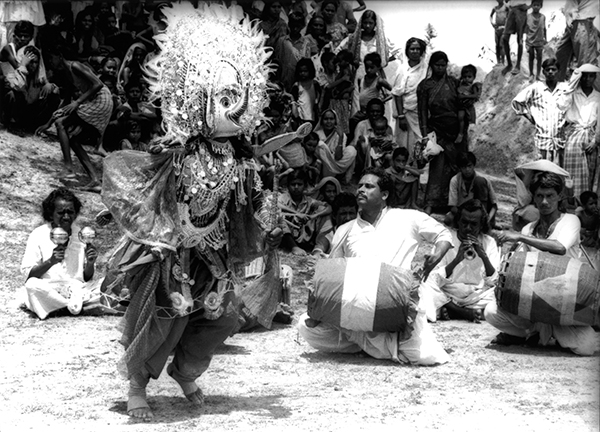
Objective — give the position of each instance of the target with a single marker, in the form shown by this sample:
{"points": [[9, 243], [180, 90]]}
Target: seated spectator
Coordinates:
{"points": [[314, 165], [336, 155], [131, 68], [86, 43], [136, 109], [316, 31], [326, 190], [132, 140], [344, 209], [590, 219], [336, 31], [59, 276], [11, 53], [30, 99], [109, 66], [468, 184], [406, 181], [304, 216], [88, 115], [463, 282]]}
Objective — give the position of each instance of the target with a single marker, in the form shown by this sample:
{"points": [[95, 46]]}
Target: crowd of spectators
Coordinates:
{"points": [[76, 69]]}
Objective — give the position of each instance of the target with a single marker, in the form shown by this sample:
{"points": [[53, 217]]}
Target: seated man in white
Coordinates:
{"points": [[390, 236], [463, 283], [557, 233], [59, 275]]}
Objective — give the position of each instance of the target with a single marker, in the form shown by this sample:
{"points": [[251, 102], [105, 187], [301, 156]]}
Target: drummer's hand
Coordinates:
{"points": [[91, 254], [507, 236], [273, 237]]}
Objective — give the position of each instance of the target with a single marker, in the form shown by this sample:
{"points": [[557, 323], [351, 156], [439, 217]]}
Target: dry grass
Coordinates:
{"points": [[60, 374]]}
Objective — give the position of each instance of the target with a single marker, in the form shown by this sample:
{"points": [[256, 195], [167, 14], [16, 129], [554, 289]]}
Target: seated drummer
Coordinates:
{"points": [[391, 236], [555, 232], [463, 283]]}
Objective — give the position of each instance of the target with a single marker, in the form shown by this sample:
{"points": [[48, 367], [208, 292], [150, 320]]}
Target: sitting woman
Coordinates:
{"points": [[333, 150], [59, 275]]}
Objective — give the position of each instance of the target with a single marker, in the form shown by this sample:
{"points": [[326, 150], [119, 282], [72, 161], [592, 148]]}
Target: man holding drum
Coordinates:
{"points": [[557, 233], [390, 236]]}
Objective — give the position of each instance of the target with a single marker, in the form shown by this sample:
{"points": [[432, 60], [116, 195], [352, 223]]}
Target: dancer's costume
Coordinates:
{"points": [[187, 213]]}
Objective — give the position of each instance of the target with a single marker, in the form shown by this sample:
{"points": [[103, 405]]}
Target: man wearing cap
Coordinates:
{"points": [[557, 233], [582, 104]]}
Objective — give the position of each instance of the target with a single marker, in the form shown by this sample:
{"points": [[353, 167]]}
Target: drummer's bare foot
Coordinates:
{"points": [[311, 323]]}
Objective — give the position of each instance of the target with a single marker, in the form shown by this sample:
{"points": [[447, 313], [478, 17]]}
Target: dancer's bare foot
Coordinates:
{"points": [[137, 407], [193, 393], [506, 70]]}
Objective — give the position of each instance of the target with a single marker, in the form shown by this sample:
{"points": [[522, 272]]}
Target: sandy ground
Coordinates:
{"points": [[60, 374]]}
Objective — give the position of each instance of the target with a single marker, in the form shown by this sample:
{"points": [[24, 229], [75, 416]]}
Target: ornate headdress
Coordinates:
{"points": [[211, 73]]}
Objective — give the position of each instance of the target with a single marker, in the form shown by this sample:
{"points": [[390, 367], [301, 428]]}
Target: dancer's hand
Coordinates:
{"points": [[273, 237]]}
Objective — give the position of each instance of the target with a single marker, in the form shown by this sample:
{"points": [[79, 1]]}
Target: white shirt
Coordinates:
{"points": [[565, 230], [392, 239], [39, 248]]}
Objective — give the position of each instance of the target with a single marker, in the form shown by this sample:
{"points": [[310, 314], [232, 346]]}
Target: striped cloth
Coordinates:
{"points": [[95, 112], [551, 289], [363, 294]]}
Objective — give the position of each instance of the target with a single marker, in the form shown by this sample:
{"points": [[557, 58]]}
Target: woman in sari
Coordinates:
{"points": [[336, 155], [336, 31], [369, 37], [409, 75], [437, 103]]}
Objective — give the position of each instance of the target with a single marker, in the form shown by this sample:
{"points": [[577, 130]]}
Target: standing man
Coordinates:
{"points": [[538, 103], [581, 148], [580, 39], [557, 233], [391, 236], [515, 24]]}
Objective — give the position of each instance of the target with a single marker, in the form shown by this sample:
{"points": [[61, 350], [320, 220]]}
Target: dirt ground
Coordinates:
{"points": [[60, 374]]}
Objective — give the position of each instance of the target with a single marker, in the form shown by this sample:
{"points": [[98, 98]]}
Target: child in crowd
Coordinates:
{"points": [[536, 38], [313, 163], [136, 109], [366, 129], [342, 88], [306, 92], [406, 184], [381, 144], [371, 86], [132, 140], [344, 209], [468, 184], [469, 92], [326, 75], [590, 219], [498, 20], [304, 216]]}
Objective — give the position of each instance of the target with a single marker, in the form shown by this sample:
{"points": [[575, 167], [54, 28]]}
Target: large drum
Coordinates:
{"points": [[547, 288], [364, 294]]}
